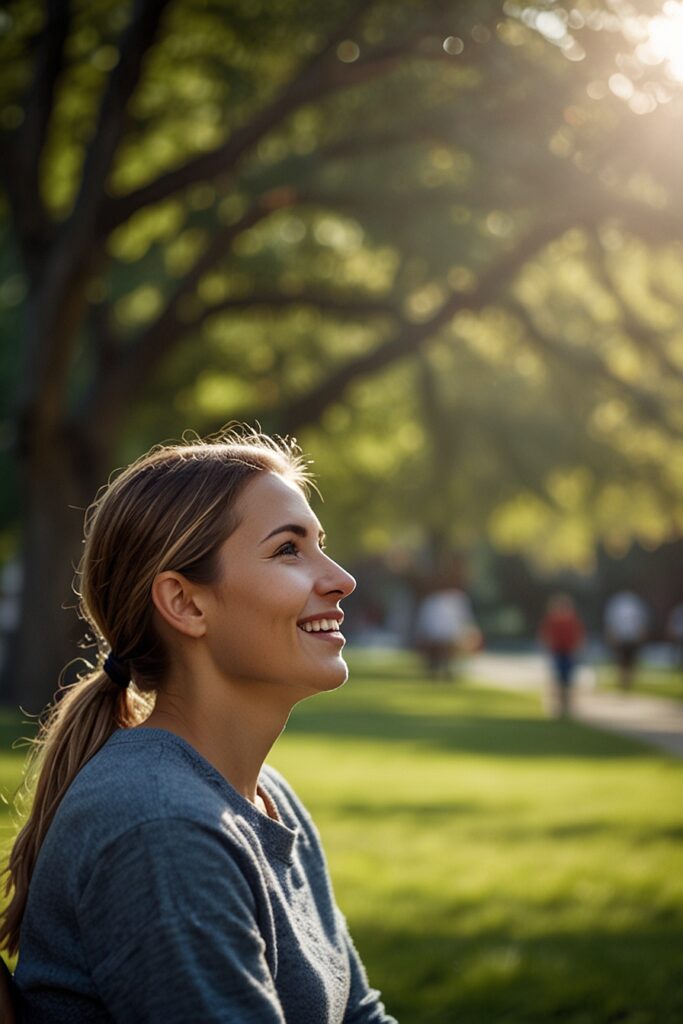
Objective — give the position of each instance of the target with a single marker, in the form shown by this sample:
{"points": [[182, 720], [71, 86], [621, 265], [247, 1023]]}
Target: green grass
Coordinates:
{"points": [[13, 749], [651, 682], [495, 867]]}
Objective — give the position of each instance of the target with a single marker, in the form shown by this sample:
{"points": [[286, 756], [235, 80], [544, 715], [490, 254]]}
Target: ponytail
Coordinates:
{"points": [[172, 509], [86, 714]]}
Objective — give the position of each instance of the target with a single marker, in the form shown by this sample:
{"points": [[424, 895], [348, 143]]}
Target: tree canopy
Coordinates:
{"points": [[440, 242]]}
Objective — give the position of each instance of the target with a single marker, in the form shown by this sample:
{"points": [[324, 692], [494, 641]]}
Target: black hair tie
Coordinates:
{"points": [[117, 670]]}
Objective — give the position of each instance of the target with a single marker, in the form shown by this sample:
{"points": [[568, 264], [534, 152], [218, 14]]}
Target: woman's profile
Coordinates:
{"points": [[164, 872]]}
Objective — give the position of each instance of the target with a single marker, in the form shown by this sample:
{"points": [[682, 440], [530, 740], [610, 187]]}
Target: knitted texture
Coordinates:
{"points": [[162, 894]]}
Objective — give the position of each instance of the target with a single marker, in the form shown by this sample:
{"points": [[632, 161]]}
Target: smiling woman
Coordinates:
{"points": [[165, 873]]}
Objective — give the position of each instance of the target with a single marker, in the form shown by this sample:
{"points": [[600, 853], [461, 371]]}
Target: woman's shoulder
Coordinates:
{"points": [[142, 782], [140, 775]]}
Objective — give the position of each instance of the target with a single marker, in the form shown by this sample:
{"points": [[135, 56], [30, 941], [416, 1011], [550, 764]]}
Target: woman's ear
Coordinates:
{"points": [[174, 598]]}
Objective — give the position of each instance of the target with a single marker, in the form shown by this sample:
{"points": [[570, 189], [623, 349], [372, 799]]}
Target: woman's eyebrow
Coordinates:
{"points": [[295, 528]]}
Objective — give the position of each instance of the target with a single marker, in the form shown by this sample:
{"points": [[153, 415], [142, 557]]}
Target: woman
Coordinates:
{"points": [[164, 873]]}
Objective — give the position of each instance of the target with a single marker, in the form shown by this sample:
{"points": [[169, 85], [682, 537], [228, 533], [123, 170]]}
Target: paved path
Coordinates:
{"points": [[653, 720]]}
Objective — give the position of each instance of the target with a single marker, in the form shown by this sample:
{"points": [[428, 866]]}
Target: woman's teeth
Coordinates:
{"points": [[320, 626]]}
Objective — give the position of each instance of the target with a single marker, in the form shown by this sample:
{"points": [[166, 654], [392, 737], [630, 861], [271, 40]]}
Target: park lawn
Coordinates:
{"points": [[495, 868], [649, 681], [13, 750]]}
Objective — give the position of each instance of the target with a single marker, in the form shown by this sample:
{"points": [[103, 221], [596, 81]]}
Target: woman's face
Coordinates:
{"points": [[274, 617]]}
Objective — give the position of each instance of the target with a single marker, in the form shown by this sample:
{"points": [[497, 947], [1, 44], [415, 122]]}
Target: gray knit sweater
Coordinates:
{"points": [[161, 894]]}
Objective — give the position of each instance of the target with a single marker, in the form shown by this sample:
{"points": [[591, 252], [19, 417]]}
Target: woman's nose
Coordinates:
{"points": [[337, 580]]}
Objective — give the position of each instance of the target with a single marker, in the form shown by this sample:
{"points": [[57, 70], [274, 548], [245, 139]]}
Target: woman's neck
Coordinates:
{"points": [[232, 726]]}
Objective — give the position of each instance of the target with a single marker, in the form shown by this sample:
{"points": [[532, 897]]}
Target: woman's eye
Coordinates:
{"points": [[290, 548]]}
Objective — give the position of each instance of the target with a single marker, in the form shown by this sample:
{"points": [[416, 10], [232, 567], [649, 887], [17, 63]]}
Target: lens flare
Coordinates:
{"points": [[665, 39]]}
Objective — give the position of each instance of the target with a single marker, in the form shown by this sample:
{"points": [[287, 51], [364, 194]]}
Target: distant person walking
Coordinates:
{"points": [[626, 625], [445, 626], [675, 632], [562, 633]]}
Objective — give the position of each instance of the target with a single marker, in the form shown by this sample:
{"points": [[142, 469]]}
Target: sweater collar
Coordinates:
{"points": [[277, 836]]}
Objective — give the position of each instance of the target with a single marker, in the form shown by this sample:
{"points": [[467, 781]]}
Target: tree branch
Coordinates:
{"points": [[342, 306], [23, 148], [516, 457], [298, 167], [136, 41], [139, 358], [586, 363], [221, 160], [307, 408], [311, 84], [644, 337], [40, 102], [647, 222], [60, 300]]}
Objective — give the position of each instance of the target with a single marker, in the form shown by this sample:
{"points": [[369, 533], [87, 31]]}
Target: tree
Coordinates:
{"points": [[178, 175]]}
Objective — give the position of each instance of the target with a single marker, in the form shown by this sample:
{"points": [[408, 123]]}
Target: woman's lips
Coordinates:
{"points": [[321, 623], [334, 636]]}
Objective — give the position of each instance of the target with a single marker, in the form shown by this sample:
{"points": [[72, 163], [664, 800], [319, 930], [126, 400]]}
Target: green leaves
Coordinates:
{"points": [[442, 239]]}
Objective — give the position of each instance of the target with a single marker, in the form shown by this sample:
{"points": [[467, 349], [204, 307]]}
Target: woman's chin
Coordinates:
{"points": [[334, 676]]}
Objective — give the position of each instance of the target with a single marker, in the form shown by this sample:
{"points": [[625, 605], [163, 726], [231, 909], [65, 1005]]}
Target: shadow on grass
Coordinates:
{"points": [[422, 813], [418, 816], [435, 717], [629, 975], [403, 670], [468, 733]]}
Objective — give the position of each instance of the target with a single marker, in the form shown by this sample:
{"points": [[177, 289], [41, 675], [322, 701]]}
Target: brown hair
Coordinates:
{"points": [[170, 510]]}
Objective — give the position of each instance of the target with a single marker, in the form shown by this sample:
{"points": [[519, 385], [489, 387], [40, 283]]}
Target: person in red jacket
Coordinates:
{"points": [[562, 632]]}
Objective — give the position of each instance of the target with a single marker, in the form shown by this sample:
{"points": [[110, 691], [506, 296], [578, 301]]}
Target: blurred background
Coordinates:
{"points": [[441, 243]]}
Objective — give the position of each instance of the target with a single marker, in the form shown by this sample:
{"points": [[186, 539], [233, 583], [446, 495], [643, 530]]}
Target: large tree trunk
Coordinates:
{"points": [[61, 476]]}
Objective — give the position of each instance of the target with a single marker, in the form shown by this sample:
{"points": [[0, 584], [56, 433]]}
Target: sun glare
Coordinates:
{"points": [[665, 39]]}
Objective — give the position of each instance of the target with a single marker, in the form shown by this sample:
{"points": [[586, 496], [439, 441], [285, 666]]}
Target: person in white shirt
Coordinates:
{"points": [[675, 631], [445, 625], [626, 626]]}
